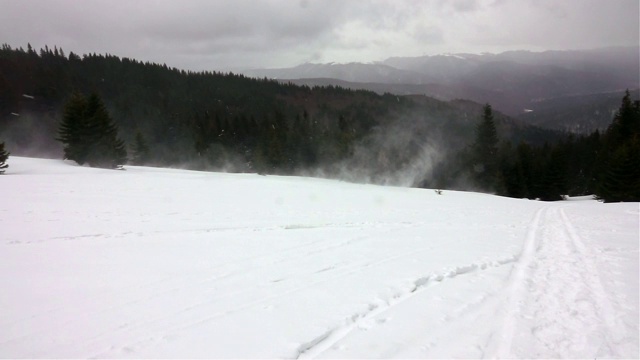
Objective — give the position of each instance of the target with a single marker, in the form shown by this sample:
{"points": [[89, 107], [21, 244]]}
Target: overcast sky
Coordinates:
{"points": [[232, 34]]}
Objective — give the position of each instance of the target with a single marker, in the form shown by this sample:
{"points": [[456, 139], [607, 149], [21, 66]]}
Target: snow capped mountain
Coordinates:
{"points": [[511, 81], [442, 68]]}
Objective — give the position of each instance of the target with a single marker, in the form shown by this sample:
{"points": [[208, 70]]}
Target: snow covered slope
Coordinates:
{"points": [[153, 263]]}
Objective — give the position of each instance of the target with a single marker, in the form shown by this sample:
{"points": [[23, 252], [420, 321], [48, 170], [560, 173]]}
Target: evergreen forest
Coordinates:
{"points": [[107, 111]]}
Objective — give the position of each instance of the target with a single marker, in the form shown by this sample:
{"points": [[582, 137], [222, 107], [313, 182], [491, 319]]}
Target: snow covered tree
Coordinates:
{"points": [[4, 155]]}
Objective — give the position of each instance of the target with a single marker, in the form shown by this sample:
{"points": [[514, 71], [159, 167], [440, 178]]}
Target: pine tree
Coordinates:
{"points": [[203, 133], [512, 172], [89, 134], [552, 185], [619, 178], [626, 122], [106, 150], [621, 182], [4, 155], [485, 151], [73, 130], [302, 141], [276, 142], [345, 138], [140, 150]]}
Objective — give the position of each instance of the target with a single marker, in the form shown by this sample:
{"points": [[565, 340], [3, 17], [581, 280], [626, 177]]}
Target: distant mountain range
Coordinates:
{"points": [[515, 82]]}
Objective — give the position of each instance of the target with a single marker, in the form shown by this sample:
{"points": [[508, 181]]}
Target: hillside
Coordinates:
{"points": [[214, 120], [576, 114], [151, 262], [511, 81]]}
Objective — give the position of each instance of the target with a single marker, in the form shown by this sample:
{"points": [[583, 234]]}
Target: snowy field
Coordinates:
{"points": [[160, 263]]}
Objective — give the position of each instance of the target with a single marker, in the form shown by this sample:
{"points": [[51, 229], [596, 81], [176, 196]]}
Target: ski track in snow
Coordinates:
{"points": [[337, 273], [318, 345], [516, 291], [555, 290], [290, 254], [554, 306]]}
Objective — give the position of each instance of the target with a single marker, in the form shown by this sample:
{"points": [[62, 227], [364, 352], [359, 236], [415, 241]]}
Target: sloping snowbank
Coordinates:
{"points": [[171, 263]]}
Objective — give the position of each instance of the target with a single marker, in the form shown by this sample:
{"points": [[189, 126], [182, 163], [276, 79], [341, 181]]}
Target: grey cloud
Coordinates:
{"points": [[429, 34], [465, 5], [201, 34]]}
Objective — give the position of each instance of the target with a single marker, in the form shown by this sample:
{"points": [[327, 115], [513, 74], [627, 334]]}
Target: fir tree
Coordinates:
{"points": [[276, 142], [512, 172], [89, 134], [4, 155], [106, 150], [485, 151], [621, 182], [204, 133], [302, 141], [140, 150], [73, 130], [552, 185], [619, 162], [345, 138], [626, 122]]}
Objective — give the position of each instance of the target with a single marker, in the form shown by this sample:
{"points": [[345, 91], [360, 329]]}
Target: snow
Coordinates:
{"points": [[165, 263], [457, 56]]}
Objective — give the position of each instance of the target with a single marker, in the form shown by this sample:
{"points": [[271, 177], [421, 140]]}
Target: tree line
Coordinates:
{"points": [[606, 165], [201, 120]]}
